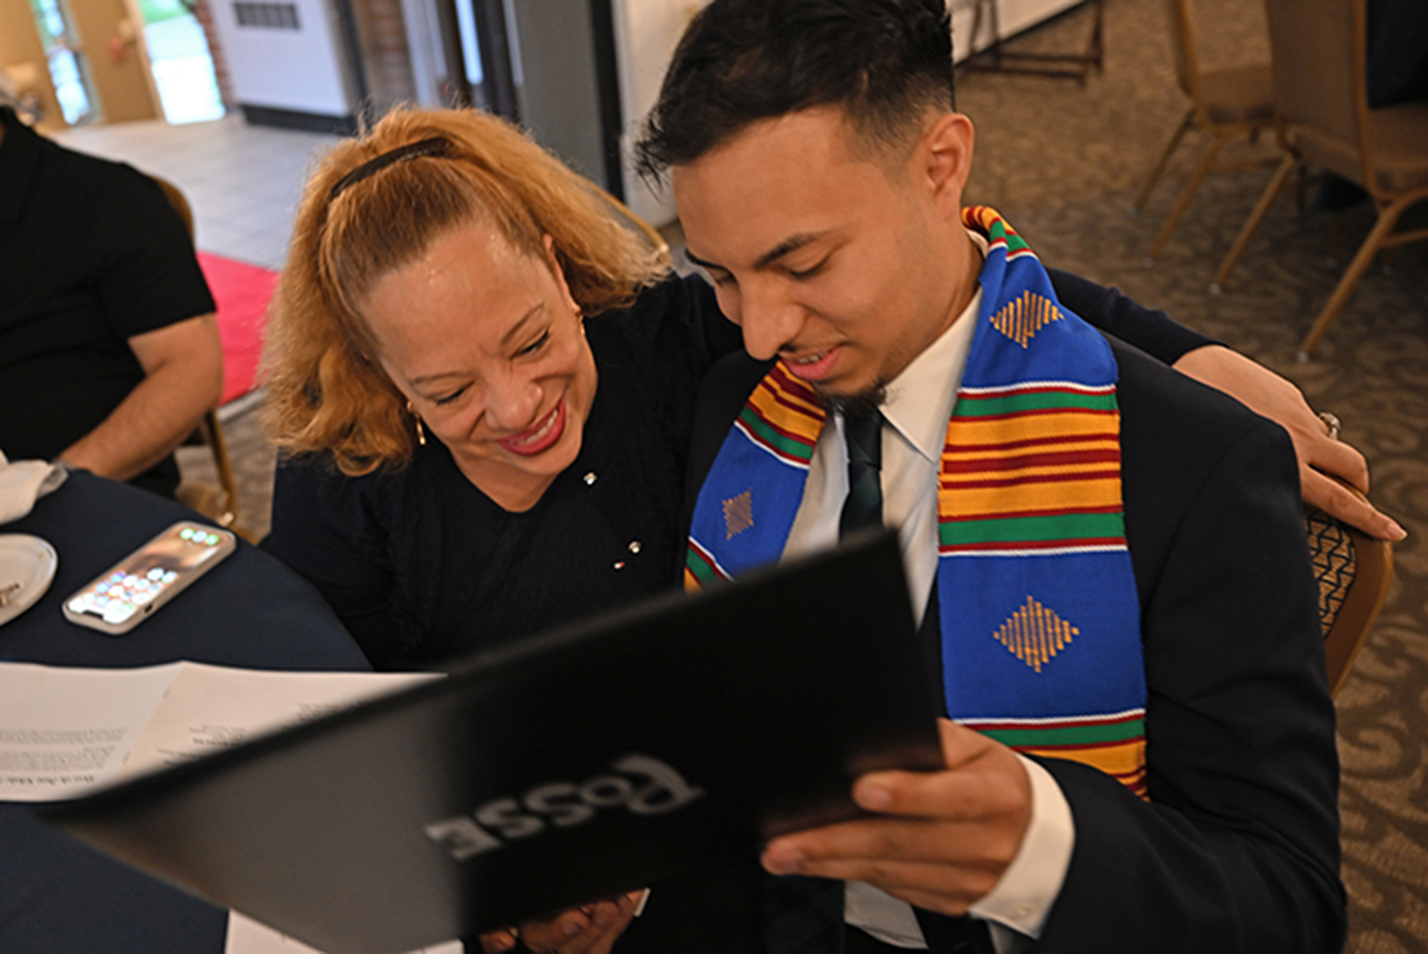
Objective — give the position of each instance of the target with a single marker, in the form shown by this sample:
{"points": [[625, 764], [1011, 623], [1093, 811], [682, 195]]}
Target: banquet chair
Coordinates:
{"points": [[1320, 53], [1226, 104], [221, 507], [1352, 572]]}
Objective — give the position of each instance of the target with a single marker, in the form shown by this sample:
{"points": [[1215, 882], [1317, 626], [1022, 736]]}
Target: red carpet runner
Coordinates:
{"points": [[242, 292]]}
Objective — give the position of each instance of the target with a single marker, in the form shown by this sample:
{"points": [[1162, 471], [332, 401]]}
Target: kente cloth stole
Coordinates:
{"points": [[1040, 618]]}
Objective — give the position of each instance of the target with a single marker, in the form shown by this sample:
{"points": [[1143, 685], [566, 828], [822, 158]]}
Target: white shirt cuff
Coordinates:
{"points": [[1024, 895]]}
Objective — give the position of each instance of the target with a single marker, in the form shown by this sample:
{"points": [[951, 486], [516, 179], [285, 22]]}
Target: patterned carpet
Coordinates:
{"points": [[1063, 163]]}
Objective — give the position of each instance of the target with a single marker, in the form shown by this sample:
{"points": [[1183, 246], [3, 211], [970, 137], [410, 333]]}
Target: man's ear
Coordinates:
{"points": [[945, 155]]}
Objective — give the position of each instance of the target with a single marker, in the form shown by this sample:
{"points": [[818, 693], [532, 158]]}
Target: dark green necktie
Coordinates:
{"points": [[864, 506], [805, 915]]}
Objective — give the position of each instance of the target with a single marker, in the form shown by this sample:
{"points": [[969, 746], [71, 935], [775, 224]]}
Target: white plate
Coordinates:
{"points": [[30, 562]]}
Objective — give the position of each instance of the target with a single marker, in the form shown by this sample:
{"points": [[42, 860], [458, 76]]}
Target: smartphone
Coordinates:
{"points": [[146, 579]]}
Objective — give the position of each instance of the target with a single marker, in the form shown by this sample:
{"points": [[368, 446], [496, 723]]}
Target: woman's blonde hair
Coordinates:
{"points": [[326, 390]]}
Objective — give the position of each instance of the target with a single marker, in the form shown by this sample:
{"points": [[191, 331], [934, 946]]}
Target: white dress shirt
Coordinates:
{"points": [[918, 405]]}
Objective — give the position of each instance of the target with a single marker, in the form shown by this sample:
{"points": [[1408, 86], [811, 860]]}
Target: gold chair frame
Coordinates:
{"points": [[209, 431], [1206, 113]]}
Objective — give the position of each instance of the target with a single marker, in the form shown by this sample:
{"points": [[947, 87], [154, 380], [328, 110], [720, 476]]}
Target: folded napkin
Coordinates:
{"points": [[24, 482]]}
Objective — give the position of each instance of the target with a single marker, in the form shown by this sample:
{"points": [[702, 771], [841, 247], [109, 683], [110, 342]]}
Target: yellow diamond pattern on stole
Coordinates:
{"points": [[1022, 318], [1035, 634], [739, 514]]}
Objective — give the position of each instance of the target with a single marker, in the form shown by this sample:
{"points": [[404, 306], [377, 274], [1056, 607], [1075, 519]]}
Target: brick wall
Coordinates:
{"points": [[386, 57], [203, 12]]}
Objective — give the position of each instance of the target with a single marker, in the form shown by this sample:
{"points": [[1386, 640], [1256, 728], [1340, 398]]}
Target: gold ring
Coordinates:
{"points": [[1331, 421]]}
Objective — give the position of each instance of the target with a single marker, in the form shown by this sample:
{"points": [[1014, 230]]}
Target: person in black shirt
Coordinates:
{"points": [[109, 352]]}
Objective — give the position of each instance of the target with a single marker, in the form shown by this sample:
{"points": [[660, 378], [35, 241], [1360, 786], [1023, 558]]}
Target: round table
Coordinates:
{"points": [[56, 894]]}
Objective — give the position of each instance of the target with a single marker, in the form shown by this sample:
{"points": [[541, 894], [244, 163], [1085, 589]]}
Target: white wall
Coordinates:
{"points": [[300, 70], [646, 32]]}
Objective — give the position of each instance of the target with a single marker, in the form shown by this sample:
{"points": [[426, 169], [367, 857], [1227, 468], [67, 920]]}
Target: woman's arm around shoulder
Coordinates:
{"points": [[1316, 444]]}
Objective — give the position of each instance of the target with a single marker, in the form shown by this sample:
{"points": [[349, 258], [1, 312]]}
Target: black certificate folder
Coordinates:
{"points": [[595, 759]]}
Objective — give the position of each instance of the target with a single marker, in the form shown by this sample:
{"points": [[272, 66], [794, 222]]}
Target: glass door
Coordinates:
{"points": [[180, 61], [68, 70]]}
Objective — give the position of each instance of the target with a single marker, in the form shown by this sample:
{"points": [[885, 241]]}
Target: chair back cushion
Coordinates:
{"points": [[1352, 573], [1400, 150], [1331, 553], [1318, 63]]}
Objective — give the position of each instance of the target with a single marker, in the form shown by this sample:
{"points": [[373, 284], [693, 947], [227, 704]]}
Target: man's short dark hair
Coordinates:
{"points": [[884, 62]]}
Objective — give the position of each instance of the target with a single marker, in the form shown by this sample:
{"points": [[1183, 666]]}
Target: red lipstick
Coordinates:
{"points": [[535, 440]]}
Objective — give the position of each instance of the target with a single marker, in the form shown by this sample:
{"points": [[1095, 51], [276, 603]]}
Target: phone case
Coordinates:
{"points": [[130, 591]]}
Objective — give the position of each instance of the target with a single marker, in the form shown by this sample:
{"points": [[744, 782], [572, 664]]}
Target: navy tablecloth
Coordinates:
{"points": [[58, 896]]}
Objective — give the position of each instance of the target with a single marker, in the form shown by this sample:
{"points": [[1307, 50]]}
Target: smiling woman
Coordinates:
{"points": [[482, 385], [487, 346]]}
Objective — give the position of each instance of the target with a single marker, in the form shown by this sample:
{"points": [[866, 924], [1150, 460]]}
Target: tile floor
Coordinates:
{"points": [[243, 181]]}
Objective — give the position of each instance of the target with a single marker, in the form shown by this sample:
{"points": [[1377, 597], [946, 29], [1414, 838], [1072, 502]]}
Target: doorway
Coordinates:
{"points": [[68, 70], [130, 60], [180, 61]]}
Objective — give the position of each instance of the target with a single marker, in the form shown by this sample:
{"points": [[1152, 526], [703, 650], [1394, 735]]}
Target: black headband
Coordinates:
{"points": [[435, 146]]}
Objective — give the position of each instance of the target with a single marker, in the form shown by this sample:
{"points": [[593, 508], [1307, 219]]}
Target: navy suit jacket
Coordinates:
{"points": [[1237, 848]]}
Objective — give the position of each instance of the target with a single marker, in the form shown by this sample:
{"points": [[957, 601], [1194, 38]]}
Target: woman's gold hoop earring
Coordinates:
{"points": [[416, 418]]}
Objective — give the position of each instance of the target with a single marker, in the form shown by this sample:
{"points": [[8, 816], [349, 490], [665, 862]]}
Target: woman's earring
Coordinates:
{"points": [[420, 431]]}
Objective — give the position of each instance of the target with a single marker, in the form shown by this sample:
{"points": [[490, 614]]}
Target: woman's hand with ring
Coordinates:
{"points": [[1322, 457]]}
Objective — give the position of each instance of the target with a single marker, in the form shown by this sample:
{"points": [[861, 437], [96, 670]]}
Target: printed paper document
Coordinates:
{"points": [[64, 730]]}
